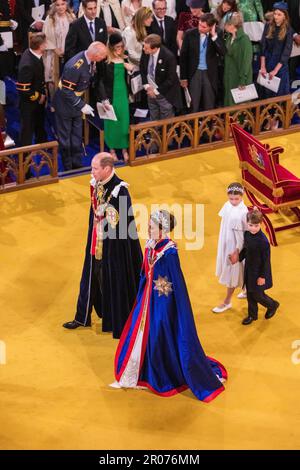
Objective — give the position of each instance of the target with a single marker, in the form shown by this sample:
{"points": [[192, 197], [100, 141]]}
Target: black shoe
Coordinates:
{"points": [[248, 320], [72, 325], [271, 312]]}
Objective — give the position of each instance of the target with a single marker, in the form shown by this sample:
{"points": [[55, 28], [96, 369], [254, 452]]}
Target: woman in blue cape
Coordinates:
{"points": [[159, 348]]}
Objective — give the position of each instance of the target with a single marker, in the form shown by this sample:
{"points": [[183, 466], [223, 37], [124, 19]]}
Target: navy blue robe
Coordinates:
{"points": [[171, 358]]}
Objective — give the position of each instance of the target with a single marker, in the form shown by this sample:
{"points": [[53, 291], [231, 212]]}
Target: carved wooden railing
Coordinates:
{"points": [[193, 133], [16, 165]]}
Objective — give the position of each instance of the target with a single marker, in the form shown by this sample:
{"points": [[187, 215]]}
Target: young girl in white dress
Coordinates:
{"points": [[231, 237]]}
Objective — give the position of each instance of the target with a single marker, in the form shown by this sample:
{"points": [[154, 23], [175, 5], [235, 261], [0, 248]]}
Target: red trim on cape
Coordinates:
{"points": [[170, 393], [223, 370]]}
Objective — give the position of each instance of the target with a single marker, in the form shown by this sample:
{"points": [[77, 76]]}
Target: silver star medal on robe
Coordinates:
{"points": [[163, 286]]}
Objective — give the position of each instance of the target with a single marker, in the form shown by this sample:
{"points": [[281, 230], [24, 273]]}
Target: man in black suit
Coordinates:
{"points": [[164, 26], [25, 19], [85, 30], [159, 77], [199, 58], [32, 92]]}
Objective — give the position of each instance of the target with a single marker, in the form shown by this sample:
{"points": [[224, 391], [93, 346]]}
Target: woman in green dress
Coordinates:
{"points": [[252, 10], [113, 87], [238, 61]]}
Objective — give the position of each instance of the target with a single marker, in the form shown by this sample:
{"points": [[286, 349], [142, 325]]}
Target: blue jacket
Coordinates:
{"points": [[75, 79]]}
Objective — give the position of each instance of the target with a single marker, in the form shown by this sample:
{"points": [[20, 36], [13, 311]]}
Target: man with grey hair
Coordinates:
{"points": [[69, 105], [113, 259]]}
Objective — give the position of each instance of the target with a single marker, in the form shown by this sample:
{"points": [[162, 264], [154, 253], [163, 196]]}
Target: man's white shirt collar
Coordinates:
{"points": [[89, 21], [39, 56]]}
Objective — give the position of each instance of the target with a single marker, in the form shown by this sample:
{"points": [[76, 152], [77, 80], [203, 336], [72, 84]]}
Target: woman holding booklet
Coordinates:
{"points": [[276, 47], [238, 60], [113, 87]]}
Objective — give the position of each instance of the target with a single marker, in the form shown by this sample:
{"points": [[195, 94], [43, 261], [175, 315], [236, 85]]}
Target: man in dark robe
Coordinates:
{"points": [[113, 259]]}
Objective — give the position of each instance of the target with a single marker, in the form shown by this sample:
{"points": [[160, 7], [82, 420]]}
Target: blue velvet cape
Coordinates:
{"points": [[172, 358]]}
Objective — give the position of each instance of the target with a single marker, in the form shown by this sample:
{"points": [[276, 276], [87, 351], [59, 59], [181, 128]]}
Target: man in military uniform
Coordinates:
{"points": [[69, 105], [32, 92], [113, 258]]}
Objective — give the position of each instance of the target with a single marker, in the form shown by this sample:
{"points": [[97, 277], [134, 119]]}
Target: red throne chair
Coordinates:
{"points": [[269, 186]]}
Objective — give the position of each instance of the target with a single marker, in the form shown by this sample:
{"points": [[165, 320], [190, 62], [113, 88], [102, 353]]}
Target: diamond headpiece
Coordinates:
{"points": [[160, 219], [235, 189]]}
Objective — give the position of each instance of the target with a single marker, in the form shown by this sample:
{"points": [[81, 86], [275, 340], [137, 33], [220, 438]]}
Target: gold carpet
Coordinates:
{"points": [[54, 390]]}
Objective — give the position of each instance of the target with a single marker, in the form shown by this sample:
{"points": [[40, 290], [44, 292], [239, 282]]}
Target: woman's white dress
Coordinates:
{"points": [[231, 237]]}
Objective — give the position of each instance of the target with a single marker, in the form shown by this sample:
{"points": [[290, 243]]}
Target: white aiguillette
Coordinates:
{"points": [[245, 94], [272, 84]]}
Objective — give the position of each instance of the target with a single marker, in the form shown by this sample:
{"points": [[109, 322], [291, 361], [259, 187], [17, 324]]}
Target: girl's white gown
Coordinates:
{"points": [[231, 237]]}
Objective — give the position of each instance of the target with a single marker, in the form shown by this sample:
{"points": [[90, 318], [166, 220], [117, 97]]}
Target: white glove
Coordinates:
{"points": [[87, 109], [13, 24]]}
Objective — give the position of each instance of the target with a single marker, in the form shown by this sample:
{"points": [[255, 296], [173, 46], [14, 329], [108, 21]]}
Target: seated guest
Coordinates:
{"points": [[32, 91], [160, 80], [238, 59], [276, 47], [85, 30], [164, 25], [25, 19], [135, 34], [224, 10], [188, 20], [113, 87], [56, 27], [201, 50], [110, 12]]}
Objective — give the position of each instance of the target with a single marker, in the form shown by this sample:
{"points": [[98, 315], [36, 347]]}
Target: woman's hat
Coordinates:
{"points": [[115, 38], [280, 6]]}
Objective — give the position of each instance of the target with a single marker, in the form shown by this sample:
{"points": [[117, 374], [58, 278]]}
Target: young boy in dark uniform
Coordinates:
{"points": [[258, 275]]}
